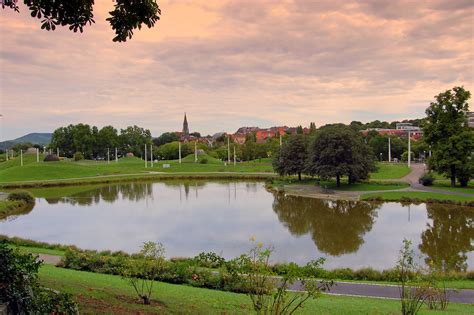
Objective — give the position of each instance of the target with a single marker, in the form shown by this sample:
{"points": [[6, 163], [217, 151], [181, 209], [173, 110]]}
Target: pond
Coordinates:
{"points": [[195, 216]]}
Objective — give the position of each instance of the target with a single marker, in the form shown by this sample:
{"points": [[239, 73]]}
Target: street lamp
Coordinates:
{"points": [[380, 156]]}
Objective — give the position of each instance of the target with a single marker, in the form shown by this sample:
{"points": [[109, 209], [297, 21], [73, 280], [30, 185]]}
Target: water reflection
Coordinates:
{"points": [[12, 215], [336, 227], [448, 238]]}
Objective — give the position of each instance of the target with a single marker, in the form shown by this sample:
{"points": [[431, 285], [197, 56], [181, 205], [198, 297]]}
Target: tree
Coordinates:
{"points": [[340, 151], [127, 15], [312, 128], [166, 137], [133, 139], [451, 139], [292, 157], [107, 138]]}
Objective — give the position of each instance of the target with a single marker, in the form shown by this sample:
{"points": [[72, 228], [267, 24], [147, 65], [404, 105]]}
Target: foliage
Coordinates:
{"points": [[165, 138], [170, 151], [340, 151], [412, 295], [142, 273], [93, 142], [78, 156], [447, 131], [20, 288], [204, 161], [269, 295], [427, 179], [209, 260], [21, 195], [292, 158], [126, 16], [51, 158]]}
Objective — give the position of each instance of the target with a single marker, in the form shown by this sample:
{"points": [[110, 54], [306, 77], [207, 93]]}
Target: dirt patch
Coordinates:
{"points": [[91, 305], [133, 300]]}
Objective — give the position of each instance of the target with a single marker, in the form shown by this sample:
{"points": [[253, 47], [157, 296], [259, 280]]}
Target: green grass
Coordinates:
{"points": [[422, 196], [365, 186], [41, 250], [447, 186], [99, 293], [390, 171], [11, 171]]}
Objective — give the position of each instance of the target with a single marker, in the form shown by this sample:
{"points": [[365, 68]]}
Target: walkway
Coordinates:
{"points": [[385, 291]]}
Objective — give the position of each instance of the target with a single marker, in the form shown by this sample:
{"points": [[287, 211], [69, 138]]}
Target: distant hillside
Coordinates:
{"points": [[34, 138]]}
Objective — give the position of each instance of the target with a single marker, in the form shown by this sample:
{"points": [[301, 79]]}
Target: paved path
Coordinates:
{"points": [[346, 288]]}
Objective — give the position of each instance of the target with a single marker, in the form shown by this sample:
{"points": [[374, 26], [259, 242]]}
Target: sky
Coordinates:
{"points": [[229, 64]]}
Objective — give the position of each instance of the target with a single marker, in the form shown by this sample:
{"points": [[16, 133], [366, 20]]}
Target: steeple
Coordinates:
{"points": [[185, 127]]}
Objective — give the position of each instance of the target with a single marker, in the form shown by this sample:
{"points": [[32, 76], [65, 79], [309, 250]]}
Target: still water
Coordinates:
{"points": [[197, 216]]}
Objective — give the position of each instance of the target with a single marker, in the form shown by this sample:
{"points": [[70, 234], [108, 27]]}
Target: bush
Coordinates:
{"points": [[204, 161], [23, 196], [20, 288], [427, 179], [51, 158], [78, 156]]}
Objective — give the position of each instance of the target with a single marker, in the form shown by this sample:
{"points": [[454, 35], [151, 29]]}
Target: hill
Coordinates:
{"points": [[35, 138]]}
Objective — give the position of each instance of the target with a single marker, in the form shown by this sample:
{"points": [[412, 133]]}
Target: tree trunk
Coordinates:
{"points": [[299, 176], [146, 301], [453, 176], [338, 181]]}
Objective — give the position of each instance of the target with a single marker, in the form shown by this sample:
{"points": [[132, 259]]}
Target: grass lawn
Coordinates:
{"points": [[99, 293], [444, 185], [365, 186], [390, 171], [423, 196], [11, 170]]}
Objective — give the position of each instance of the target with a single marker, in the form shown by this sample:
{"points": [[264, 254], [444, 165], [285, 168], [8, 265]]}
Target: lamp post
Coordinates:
{"points": [[389, 150], [409, 149], [380, 156], [179, 144]]}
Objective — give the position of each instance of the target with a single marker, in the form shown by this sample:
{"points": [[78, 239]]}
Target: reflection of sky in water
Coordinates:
{"points": [[219, 217]]}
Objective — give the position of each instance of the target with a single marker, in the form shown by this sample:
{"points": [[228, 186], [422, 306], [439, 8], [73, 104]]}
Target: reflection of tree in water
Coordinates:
{"points": [[110, 193], [13, 214], [449, 237], [337, 227]]}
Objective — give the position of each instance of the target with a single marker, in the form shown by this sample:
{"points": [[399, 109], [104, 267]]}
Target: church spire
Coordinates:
{"points": [[185, 127]]}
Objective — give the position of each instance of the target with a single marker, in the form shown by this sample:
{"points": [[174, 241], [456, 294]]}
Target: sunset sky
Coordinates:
{"points": [[236, 63]]}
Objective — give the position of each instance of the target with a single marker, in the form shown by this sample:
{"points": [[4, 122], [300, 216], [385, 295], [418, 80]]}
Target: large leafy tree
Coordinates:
{"points": [[126, 16], [134, 138], [292, 157], [451, 139], [166, 137], [339, 151]]}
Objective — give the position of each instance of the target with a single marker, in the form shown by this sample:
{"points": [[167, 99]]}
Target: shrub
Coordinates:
{"points": [[20, 288], [51, 158], [427, 179], [78, 156], [141, 273], [204, 161], [23, 196]]}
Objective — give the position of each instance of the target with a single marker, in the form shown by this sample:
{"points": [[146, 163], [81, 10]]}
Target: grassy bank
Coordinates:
{"points": [[390, 171], [98, 293], [416, 196], [456, 280]]}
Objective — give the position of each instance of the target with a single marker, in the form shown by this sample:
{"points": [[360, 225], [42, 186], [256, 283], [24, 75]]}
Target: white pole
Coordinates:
{"points": [[409, 149], [228, 150], [6, 155], [108, 156], [195, 152], [280, 140], [179, 144], [430, 152], [389, 150], [116, 156], [21, 157], [57, 150], [151, 154], [235, 159], [37, 155], [146, 164]]}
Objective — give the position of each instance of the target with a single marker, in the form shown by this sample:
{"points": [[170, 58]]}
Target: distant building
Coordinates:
{"points": [[407, 126], [470, 119], [185, 133]]}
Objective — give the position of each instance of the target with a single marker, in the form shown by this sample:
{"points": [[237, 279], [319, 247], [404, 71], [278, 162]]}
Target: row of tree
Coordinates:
{"points": [[93, 142], [335, 151]]}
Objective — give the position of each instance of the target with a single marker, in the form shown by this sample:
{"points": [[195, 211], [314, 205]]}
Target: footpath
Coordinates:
{"points": [[383, 291]]}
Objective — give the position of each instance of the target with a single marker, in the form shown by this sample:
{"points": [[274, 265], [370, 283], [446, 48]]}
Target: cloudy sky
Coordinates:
{"points": [[237, 63]]}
